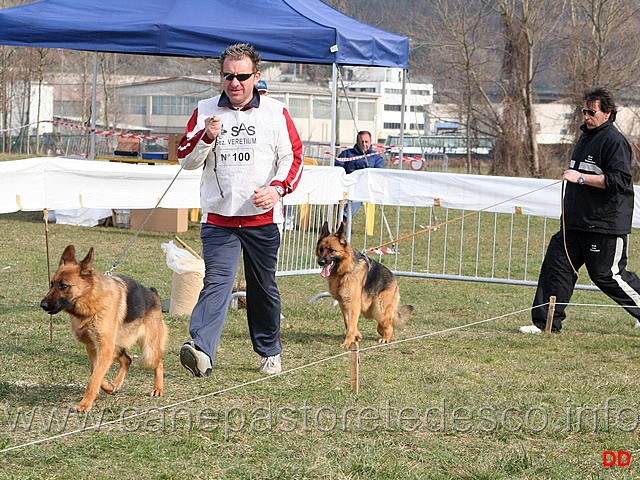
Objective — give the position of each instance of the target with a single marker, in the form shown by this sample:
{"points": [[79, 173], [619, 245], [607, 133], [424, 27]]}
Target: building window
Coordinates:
{"points": [[392, 108], [346, 109], [397, 91], [299, 107], [424, 93], [366, 111], [135, 105], [165, 105], [362, 89], [392, 126], [70, 108], [321, 108], [417, 108], [416, 126]]}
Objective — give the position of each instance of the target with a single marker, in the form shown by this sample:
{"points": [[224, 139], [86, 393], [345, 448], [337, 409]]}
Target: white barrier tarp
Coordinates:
{"points": [[531, 196], [62, 183]]}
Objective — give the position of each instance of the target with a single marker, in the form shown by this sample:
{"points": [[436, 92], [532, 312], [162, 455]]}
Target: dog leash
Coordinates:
{"points": [[109, 272], [564, 230]]}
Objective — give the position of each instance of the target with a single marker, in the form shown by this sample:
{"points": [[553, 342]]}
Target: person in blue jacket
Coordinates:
{"points": [[359, 157]]}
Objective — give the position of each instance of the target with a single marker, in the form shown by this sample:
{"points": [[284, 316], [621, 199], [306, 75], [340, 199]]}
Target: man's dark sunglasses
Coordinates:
{"points": [[242, 77], [588, 111]]}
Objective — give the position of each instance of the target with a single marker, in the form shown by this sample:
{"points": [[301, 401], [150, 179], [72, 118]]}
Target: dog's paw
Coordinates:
{"points": [[358, 337], [384, 340], [84, 407], [349, 340], [156, 392], [108, 388]]}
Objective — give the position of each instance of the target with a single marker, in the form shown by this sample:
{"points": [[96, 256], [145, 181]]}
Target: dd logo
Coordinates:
{"points": [[619, 458]]}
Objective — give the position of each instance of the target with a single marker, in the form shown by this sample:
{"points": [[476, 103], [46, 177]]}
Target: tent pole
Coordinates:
{"points": [[403, 103], [334, 103], [334, 100], [93, 106]]}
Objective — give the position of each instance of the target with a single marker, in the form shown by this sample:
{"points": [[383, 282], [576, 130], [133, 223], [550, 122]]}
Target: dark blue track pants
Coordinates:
{"points": [[221, 250]]}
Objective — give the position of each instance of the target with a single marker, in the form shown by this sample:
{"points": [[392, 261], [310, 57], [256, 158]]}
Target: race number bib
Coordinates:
{"points": [[235, 157]]}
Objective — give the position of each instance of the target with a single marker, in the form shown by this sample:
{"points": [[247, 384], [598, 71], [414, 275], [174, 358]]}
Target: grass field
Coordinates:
{"points": [[478, 402]]}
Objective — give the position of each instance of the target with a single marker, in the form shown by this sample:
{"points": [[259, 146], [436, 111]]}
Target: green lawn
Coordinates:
{"points": [[478, 402]]}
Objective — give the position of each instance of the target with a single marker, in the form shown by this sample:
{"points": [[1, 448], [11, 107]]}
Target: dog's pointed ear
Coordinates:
{"points": [[325, 230], [87, 263], [69, 255]]}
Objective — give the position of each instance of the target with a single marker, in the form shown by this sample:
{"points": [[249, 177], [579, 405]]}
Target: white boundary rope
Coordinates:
{"points": [[251, 382], [286, 372]]}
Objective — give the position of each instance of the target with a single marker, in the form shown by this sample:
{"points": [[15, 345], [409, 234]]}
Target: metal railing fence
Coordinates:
{"points": [[431, 242]]}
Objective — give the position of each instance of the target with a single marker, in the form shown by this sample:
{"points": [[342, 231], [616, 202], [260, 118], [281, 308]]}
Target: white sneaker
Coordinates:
{"points": [[530, 329], [270, 365], [195, 360]]}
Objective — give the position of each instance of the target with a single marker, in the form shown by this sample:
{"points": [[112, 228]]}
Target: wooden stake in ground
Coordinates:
{"points": [[355, 366], [46, 241], [552, 308]]}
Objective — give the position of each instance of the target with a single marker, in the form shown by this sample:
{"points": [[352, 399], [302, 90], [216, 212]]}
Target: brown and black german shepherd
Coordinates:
{"points": [[361, 286], [108, 315]]}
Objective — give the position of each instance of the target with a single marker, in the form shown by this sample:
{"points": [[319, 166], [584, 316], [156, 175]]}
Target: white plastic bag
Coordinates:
{"points": [[180, 260], [188, 274]]}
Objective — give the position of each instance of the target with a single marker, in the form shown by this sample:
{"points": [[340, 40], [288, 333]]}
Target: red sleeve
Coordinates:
{"points": [[188, 144], [295, 172]]}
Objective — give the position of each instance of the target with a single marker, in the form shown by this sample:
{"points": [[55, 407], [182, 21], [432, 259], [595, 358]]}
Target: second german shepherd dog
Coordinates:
{"points": [[360, 285], [108, 315]]}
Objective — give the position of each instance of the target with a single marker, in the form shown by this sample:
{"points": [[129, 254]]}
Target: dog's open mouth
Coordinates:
{"points": [[326, 270]]}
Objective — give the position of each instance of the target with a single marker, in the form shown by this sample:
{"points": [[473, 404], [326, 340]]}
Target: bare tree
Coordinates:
{"points": [[600, 48], [485, 55], [603, 46], [456, 34], [41, 64], [526, 27], [6, 82]]}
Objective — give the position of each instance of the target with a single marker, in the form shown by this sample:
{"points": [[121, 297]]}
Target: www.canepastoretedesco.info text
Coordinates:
{"points": [[439, 418]]}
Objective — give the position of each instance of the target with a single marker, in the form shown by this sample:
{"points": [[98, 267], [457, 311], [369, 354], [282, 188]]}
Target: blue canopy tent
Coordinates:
{"points": [[300, 31]]}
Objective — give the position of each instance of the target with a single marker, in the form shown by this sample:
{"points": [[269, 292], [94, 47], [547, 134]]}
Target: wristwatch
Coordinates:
{"points": [[581, 180], [280, 190]]}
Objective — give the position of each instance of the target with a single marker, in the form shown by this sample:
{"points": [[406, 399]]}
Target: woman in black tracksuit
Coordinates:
{"points": [[598, 211]]}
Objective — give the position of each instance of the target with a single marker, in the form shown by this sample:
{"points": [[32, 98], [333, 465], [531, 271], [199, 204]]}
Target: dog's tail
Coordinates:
{"points": [[402, 316], [153, 345]]}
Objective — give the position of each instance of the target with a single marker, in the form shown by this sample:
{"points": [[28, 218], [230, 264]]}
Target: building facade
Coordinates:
{"points": [[387, 82], [165, 105]]}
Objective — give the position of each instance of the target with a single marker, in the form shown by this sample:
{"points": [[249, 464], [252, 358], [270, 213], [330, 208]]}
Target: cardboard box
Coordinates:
{"points": [[162, 220], [174, 143]]}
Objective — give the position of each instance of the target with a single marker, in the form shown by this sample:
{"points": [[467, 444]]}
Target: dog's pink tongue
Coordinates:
{"points": [[326, 270]]}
